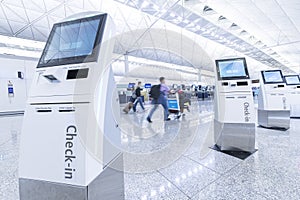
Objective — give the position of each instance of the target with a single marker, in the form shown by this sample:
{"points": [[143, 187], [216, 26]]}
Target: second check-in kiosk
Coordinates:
{"points": [[234, 124], [273, 106], [293, 95]]}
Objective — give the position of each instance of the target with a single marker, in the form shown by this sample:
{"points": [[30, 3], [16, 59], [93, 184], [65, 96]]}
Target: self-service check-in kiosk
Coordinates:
{"points": [[293, 96], [273, 106], [70, 133], [234, 124]]}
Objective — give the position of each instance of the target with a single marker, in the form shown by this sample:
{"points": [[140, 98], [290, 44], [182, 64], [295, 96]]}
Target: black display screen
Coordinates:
{"points": [[75, 41], [234, 68], [77, 73]]}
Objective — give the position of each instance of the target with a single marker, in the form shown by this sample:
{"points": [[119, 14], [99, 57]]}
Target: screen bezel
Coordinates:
{"points": [[291, 76], [233, 77], [78, 59], [275, 70]]}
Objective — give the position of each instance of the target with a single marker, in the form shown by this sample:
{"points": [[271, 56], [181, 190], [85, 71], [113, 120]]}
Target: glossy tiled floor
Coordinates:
{"points": [[173, 160], [10, 129]]}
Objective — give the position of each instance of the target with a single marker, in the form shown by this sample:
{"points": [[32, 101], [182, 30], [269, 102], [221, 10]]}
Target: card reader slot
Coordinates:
{"points": [[225, 83], [241, 83], [43, 110], [230, 97], [67, 110], [280, 86], [298, 86], [242, 97]]}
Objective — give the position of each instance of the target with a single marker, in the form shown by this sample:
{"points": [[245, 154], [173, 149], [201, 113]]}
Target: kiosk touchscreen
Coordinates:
{"points": [[273, 107], [234, 124], [293, 96], [70, 133], [292, 80]]}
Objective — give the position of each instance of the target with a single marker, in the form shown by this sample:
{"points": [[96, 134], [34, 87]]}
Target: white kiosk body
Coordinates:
{"points": [[234, 124], [70, 133], [293, 96], [273, 108]]}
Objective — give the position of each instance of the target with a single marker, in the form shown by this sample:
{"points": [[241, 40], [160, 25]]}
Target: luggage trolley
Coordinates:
{"points": [[173, 105]]}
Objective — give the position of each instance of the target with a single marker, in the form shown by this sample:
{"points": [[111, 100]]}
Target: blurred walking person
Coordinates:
{"points": [[159, 97], [138, 97]]}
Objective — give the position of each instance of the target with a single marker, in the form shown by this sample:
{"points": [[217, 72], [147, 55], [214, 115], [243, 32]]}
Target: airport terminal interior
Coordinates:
{"points": [[149, 99]]}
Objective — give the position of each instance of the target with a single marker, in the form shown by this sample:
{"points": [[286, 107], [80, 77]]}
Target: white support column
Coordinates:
{"points": [[199, 75], [126, 65]]}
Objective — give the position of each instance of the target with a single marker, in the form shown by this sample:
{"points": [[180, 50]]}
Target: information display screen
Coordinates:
{"points": [[10, 90], [272, 76], [229, 69], [292, 80], [73, 42], [173, 104], [131, 85], [147, 85]]}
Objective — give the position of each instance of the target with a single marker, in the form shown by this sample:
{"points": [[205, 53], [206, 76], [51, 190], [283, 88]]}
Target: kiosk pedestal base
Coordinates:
{"points": [[108, 185], [274, 119], [235, 136]]}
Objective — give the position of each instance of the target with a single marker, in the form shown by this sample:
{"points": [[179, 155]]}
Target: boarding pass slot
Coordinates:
{"points": [[230, 97], [66, 110], [43, 110], [242, 83], [242, 97]]}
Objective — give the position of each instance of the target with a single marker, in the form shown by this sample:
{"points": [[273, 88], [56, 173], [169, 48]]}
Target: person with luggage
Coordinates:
{"points": [[159, 94], [131, 102], [182, 101], [138, 97]]}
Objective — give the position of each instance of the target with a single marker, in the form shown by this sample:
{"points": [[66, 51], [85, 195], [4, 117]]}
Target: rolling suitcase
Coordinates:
{"points": [[128, 107]]}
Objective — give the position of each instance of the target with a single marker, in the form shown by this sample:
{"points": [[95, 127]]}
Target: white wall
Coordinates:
{"points": [[9, 66]]}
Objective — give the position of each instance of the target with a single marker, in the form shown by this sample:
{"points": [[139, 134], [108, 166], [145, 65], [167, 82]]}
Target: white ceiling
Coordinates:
{"points": [[276, 23], [33, 19], [196, 17], [170, 46]]}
